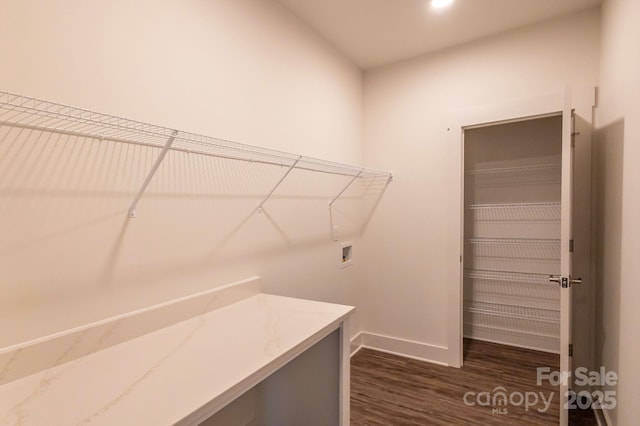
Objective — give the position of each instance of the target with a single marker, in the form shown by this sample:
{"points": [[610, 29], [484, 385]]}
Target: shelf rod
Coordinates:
{"points": [[345, 188], [259, 208], [103, 137], [154, 169]]}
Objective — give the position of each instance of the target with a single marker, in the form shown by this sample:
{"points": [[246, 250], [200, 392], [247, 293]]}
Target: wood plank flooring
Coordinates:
{"points": [[392, 390]]}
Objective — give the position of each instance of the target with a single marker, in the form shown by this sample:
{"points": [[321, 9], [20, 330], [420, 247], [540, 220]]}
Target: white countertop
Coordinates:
{"points": [[174, 374]]}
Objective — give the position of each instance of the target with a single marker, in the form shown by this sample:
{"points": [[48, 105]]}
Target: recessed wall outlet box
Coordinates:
{"points": [[347, 254]]}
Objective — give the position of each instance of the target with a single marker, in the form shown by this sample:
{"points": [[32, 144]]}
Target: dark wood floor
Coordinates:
{"points": [[392, 390]]}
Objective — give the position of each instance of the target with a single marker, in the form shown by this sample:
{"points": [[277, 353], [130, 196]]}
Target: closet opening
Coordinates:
{"points": [[512, 189]]}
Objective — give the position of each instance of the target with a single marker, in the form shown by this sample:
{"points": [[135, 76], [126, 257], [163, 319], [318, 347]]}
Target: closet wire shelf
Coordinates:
{"points": [[524, 176], [513, 254], [509, 277], [516, 247], [513, 312], [523, 326], [538, 242], [544, 211], [516, 169], [37, 114]]}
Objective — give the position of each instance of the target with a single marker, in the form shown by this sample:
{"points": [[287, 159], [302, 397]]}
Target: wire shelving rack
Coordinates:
{"points": [[37, 114]]}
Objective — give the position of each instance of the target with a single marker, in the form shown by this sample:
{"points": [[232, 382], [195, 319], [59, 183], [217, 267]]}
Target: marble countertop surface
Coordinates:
{"points": [[176, 375]]}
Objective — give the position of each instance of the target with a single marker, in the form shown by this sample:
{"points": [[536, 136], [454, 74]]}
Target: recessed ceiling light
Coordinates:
{"points": [[441, 3]]}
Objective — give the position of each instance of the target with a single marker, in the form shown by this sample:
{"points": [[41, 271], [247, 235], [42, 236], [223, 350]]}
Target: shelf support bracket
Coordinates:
{"points": [[259, 208], [154, 169], [345, 188], [334, 233]]}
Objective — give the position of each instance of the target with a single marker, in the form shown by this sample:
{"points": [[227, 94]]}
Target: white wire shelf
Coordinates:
{"points": [[516, 176], [513, 312], [509, 322], [546, 211], [515, 248], [509, 277], [514, 205], [513, 220], [513, 254], [511, 288], [517, 243], [516, 169], [514, 298], [37, 114]]}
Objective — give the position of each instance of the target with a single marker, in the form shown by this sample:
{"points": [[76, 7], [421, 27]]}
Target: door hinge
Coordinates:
{"points": [[564, 282], [571, 246], [573, 129], [570, 349]]}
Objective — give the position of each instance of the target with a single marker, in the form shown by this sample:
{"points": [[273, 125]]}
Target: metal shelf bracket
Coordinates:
{"points": [[259, 208], [152, 172], [345, 188], [334, 233]]}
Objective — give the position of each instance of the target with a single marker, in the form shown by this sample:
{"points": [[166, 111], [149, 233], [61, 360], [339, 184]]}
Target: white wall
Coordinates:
{"points": [[412, 252], [237, 69], [618, 150]]}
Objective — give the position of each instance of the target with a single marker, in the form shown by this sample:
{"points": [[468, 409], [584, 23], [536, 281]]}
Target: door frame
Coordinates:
{"points": [[482, 116], [584, 100], [500, 112]]}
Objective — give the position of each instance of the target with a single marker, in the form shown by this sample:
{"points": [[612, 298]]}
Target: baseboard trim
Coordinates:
{"points": [[402, 347], [356, 344]]}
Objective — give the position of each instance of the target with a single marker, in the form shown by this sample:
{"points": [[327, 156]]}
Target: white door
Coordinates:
{"points": [[565, 281]]}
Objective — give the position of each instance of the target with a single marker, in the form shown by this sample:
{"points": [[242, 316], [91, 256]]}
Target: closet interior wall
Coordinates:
{"points": [[512, 233]]}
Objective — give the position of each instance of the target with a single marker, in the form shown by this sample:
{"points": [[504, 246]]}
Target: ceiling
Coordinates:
{"points": [[377, 32]]}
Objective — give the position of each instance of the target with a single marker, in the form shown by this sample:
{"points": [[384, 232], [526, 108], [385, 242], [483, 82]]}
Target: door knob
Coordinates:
{"points": [[563, 281]]}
